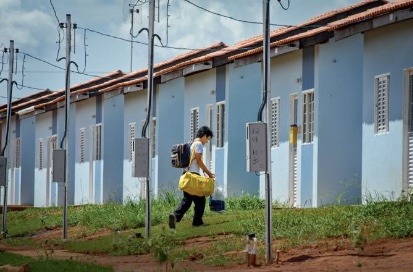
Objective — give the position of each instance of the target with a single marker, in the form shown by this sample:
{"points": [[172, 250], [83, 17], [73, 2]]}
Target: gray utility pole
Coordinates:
{"points": [[8, 161], [151, 32], [67, 114], [267, 93]]}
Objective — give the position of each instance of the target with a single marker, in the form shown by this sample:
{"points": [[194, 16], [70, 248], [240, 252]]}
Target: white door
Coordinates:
{"points": [[408, 128], [293, 167], [51, 189]]}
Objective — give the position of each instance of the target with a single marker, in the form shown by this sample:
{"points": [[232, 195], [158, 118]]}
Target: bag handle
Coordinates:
{"points": [[192, 155]]}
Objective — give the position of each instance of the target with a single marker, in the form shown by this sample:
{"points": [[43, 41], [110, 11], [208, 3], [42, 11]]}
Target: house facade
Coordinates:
{"points": [[339, 123]]}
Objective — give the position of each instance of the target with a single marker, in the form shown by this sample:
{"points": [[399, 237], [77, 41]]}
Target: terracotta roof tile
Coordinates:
{"points": [[84, 87], [28, 100], [314, 31], [374, 12]]}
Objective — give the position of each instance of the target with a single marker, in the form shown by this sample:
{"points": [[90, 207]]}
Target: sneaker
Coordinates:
{"points": [[172, 220], [198, 223]]}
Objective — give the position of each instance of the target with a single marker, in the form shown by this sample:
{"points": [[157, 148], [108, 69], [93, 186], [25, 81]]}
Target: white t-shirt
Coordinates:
{"points": [[197, 146]]}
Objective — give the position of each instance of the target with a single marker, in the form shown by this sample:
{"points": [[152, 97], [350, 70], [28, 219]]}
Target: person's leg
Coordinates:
{"points": [[183, 207], [199, 209]]}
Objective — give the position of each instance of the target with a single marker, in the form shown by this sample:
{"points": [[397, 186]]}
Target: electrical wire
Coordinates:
{"points": [[23, 62], [167, 23], [61, 68], [84, 46], [2, 61], [59, 25], [282, 6], [230, 17], [54, 11], [159, 46]]}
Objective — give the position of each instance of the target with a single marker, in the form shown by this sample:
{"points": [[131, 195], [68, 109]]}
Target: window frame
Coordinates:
{"points": [[194, 117], [381, 104], [220, 125], [308, 116], [275, 121]]}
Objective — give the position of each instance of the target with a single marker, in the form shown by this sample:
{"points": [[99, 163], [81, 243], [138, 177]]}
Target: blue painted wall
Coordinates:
{"points": [[243, 101], [306, 155], [71, 186], [387, 50], [285, 70], [200, 90], [339, 105], [170, 125], [134, 112], [85, 117], [42, 131], [27, 143], [113, 131]]}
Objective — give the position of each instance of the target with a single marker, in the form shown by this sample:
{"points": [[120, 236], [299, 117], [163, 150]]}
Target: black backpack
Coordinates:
{"points": [[181, 155]]}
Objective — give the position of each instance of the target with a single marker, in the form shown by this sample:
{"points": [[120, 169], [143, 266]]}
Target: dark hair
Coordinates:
{"points": [[204, 130]]}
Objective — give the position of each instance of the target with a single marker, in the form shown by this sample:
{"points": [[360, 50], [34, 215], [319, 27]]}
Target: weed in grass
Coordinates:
{"points": [[161, 245]]}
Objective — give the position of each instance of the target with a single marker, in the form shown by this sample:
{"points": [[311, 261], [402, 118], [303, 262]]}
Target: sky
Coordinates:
{"points": [[101, 42]]}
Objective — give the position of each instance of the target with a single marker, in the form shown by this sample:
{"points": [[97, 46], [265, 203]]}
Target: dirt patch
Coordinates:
{"points": [[330, 255]]}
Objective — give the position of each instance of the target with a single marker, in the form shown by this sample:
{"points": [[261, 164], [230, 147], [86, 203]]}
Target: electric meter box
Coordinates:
{"points": [[256, 147], [59, 165], [141, 157], [3, 169]]}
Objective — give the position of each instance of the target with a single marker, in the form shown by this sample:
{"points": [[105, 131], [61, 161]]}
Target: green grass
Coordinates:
{"points": [[50, 265], [224, 234]]}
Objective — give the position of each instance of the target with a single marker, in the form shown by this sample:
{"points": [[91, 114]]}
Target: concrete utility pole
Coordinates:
{"points": [[67, 114], [267, 92], [151, 32], [148, 123], [9, 98]]}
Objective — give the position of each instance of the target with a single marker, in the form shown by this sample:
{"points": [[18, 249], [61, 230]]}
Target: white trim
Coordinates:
{"points": [[194, 122], [308, 108], [275, 122], [381, 104], [220, 124]]}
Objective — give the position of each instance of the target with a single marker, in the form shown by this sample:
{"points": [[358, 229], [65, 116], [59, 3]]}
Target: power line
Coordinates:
{"points": [[54, 11], [233, 18], [61, 68], [30, 87], [159, 46]]}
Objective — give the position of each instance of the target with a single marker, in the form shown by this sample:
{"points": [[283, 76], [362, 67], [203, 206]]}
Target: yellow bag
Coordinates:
{"points": [[197, 185]]}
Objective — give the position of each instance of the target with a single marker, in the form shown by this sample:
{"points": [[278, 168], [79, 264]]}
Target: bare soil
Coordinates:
{"points": [[388, 255]]}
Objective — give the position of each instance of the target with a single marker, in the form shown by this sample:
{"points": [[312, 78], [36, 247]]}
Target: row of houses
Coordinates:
{"points": [[344, 79]]}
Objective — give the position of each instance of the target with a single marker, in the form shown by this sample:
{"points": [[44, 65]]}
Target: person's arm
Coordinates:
{"points": [[200, 162]]}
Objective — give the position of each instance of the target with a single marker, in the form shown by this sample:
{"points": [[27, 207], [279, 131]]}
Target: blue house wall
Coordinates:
{"points": [[59, 115], [43, 123], [286, 70], [339, 96], [307, 154], [84, 183], [135, 104], [200, 91], [243, 97], [27, 143], [112, 154], [387, 50], [170, 127]]}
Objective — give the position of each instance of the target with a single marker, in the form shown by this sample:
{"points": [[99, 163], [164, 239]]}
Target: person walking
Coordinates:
{"points": [[203, 135]]}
